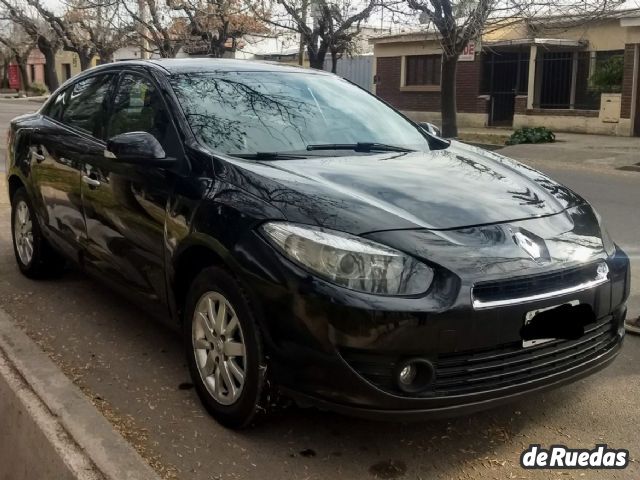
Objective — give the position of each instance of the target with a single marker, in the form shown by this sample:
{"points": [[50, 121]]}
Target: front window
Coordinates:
{"points": [[422, 70], [250, 112]]}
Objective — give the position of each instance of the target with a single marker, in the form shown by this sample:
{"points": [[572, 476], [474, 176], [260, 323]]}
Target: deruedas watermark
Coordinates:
{"points": [[562, 457]]}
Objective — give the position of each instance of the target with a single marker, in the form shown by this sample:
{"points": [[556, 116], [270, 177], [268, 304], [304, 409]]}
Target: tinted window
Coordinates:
{"points": [[249, 112], [56, 107], [138, 107], [85, 107]]}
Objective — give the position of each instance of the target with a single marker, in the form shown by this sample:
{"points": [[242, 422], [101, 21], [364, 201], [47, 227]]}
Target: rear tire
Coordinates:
{"points": [[224, 349], [34, 255]]}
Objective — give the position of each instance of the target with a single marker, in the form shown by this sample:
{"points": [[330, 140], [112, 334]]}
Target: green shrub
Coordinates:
{"points": [[609, 75], [37, 88], [532, 135]]}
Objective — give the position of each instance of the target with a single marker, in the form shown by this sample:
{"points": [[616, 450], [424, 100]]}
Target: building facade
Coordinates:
{"points": [[567, 75]]}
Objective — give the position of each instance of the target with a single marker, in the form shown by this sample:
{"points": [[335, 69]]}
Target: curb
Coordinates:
{"points": [[38, 99], [48, 428]]}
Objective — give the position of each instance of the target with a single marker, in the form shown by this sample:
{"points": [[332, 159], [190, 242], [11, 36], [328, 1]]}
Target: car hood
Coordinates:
{"points": [[438, 190]]}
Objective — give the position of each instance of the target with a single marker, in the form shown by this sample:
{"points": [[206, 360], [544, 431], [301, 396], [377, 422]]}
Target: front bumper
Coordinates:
{"points": [[496, 399], [339, 349]]}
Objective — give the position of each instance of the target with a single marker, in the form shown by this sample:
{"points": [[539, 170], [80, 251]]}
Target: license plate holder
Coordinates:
{"points": [[532, 314]]}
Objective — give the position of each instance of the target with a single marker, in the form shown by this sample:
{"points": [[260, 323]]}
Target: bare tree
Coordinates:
{"points": [[45, 38], [100, 24], [334, 25], [456, 22], [17, 45], [216, 25], [164, 34], [66, 27]]}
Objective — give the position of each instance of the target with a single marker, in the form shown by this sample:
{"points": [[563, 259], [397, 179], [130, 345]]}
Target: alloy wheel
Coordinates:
{"points": [[23, 232], [219, 348]]}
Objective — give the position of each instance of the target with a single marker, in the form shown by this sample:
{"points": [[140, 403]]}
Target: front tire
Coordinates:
{"points": [[224, 349], [34, 255]]}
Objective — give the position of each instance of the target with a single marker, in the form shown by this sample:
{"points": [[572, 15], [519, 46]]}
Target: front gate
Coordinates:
{"points": [[505, 75]]}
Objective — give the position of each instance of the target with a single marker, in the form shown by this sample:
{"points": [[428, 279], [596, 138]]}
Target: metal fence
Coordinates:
{"points": [[358, 70]]}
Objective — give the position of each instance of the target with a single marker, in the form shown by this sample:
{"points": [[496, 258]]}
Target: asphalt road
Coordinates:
{"points": [[133, 369]]}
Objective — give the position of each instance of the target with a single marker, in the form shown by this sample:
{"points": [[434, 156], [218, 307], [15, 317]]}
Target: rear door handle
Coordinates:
{"points": [[92, 182]]}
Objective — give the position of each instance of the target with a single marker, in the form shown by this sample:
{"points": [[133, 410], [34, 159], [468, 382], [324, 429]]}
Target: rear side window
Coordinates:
{"points": [[85, 105], [56, 107]]}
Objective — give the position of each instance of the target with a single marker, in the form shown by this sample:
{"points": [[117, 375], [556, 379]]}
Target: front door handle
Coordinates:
{"points": [[92, 182], [37, 156]]}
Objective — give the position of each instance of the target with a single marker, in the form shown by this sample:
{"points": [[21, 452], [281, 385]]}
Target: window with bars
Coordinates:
{"points": [[422, 70]]}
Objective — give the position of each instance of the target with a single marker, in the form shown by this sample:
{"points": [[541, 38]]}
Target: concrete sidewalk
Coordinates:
{"points": [[48, 427], [573, 150]]}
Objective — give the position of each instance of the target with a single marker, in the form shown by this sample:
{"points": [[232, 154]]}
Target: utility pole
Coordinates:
{"points": [[144, 43], [305, 4]]}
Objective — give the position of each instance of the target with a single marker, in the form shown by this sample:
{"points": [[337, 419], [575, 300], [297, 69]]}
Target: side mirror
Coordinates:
{"points": [[431, 128], [140, 148]]}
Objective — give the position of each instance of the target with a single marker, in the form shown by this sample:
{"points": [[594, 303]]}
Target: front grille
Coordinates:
{"points": [[528, 286], [513, 364], [489, 369]]}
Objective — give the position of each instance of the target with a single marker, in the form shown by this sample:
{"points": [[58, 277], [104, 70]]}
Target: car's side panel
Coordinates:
{"points": [[125, 204], [125, 216], [56, 156]]}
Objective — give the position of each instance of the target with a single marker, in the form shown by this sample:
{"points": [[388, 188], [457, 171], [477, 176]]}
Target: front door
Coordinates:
{"points": [[507, 73], [66, 137], [124, 203]]}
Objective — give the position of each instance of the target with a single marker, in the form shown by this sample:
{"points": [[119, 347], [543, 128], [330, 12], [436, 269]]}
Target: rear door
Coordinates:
{"points": [[125, 204], [68, 134]]}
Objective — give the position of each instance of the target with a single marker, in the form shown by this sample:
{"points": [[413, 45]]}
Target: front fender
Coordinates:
{"points": [[213, 228]]}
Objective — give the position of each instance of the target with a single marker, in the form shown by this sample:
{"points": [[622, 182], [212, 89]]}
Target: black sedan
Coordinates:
{"points": [[310, 241]]}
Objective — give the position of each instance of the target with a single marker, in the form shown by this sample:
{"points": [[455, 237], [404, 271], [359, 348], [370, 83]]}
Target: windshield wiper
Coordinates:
{"points": [[360, 147], [268, 156]]}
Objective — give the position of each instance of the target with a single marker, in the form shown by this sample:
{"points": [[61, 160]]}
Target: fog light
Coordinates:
{"points": [[415, 375], [408, 374]]}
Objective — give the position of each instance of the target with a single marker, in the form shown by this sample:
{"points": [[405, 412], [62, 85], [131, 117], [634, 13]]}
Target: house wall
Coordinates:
{"points": [[127, 53], [424, 105], [70, 58], [473, 107], [604, 35], [36, 58]]}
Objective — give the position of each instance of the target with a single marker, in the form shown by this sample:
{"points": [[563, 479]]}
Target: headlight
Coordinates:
{"points": [[350, 261], [607, 242]]}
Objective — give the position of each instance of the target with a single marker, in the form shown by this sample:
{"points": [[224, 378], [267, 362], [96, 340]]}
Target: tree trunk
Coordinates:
{"points": [[50, 74], [448, 95], [316, 59], [334, 61], [4, 83], [106, 55], [22, 66], [217, 48], [85, 60]]}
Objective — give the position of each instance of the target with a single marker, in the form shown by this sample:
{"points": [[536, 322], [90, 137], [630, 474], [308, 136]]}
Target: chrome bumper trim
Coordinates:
{"points": [[479, 304]]}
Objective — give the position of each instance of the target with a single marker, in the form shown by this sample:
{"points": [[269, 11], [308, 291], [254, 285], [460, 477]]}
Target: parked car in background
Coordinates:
{"points": [[311, 241]]}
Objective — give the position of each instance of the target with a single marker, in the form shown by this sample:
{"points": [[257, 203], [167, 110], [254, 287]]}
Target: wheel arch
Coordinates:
{"points": [[190, 259], [15, 183]]}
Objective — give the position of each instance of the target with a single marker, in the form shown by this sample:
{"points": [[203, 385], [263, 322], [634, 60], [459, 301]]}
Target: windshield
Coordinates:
{"points": [[251, 112]]}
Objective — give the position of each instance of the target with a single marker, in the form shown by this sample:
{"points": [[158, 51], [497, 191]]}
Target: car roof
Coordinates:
{"points": [[171, 66]]}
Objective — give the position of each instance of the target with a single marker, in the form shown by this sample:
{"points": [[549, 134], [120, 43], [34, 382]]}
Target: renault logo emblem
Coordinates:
{"points": [[528, 245]]}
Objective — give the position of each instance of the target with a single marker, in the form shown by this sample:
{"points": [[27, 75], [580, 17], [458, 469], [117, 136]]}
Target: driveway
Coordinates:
{"points": [[133, 370]]}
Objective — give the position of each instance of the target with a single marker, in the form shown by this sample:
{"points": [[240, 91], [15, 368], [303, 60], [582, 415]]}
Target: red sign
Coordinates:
{"points": [[469, 53], [14, 77]]}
